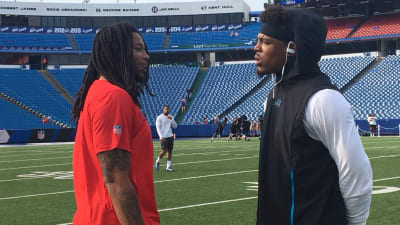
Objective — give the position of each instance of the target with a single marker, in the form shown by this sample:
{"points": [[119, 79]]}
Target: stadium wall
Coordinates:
{"points": [[388, 127]]}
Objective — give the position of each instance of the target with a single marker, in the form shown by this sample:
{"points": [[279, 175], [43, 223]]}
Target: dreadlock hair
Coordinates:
{"points": [[112, 57], [276, 15]]}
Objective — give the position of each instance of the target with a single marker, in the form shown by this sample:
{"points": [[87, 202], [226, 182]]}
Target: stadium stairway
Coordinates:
{"points": [[355, 29], [166, 41], [244, 98], [27, 108], [361, 74], [60, 89], [72, 42], [196, 86]]}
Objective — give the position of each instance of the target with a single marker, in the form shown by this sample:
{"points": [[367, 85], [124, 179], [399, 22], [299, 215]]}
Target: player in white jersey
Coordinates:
{"points": [[372, 124], [164, 125]]}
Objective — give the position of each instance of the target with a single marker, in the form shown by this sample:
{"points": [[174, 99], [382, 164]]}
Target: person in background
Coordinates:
{"points": [[164, 124], [234, 129], [372, 124], [205, 120], [219, 129], [183, 105], [259, 125], [252, 128]]}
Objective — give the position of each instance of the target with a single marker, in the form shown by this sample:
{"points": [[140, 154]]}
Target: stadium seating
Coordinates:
{"points": [[378, 91], [70, 79], [253, 106], [343, 69], [34, 41], [243, 37], [380, 25], [14, 118], [340, 28], [154, 41], [163, 83], [221, 88], [84, 41], [169, 84], [32, 90]]}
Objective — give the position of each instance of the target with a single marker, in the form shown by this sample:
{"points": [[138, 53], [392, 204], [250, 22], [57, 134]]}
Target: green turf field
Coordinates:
{"points": [[214, 183]]}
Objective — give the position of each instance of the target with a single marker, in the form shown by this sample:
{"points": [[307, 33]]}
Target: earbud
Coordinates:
{"points": [[290, 50]]}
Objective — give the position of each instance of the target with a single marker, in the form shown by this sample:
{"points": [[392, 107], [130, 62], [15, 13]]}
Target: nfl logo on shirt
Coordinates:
{"points": [[117, 129]]}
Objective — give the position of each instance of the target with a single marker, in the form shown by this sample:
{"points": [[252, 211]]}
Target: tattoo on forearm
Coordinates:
{"points": [[130, 205], [114, 159]]}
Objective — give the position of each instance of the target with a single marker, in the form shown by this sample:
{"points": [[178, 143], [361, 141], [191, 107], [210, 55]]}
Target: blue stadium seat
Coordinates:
{"points": [[221, 88], [253, 106], [15, 118], [378, 91], [343, 69], [70, 79], [154, 41], [32, 90], [162, 82], [169, 84], [245, 37], [59, 41]]}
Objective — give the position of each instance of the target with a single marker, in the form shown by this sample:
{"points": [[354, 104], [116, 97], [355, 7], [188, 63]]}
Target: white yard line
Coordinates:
{"points": [[160, 181], [37, 144], [196, 205], [18, 179], [24, 160], [184, 163], [384, 156], [37, 153], [389, 178], [35, 195], [28, 167], [211, 175], [205, 204], [209, 153], [215, 160]]}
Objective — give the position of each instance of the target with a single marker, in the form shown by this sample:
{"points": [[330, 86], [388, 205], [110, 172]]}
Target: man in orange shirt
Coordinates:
{"points": [[113, 151]]}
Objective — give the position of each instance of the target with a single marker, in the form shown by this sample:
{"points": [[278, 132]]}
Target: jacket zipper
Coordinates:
{"points": [[292, 191]]}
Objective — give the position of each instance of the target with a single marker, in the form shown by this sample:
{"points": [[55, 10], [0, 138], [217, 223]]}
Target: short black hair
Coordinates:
{"points": [[277, 16], [165, 106]]}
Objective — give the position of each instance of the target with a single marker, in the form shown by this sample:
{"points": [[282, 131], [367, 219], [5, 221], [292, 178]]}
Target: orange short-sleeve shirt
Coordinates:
{"points": [[110, 120]]}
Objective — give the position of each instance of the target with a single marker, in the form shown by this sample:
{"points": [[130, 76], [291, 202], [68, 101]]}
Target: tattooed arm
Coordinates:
{"points": [[115, 168]]}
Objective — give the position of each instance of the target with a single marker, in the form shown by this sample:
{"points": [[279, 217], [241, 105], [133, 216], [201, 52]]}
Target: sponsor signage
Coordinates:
{"points": [[123, 9], [47, 30], [92, 30]]}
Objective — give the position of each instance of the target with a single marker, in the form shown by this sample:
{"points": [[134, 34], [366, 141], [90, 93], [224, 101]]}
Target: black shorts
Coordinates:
{"points": [[167, 144]]}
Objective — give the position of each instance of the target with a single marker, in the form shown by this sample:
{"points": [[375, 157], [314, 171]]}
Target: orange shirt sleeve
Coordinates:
{"points": [[113, 118]]}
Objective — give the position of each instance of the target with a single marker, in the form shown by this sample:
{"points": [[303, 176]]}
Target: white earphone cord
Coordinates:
{"points": [[283, 72]]}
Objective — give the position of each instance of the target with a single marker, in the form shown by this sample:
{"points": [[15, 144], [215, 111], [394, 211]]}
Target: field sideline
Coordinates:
{"points": [[214, 183]]}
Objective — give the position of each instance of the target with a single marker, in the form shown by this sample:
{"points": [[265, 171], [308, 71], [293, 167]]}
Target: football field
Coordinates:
{"points": [[214, 183]]}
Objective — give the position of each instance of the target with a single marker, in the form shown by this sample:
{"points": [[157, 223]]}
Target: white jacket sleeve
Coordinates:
{"points": [[173, 123], [158, 127], [329, 118]]}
